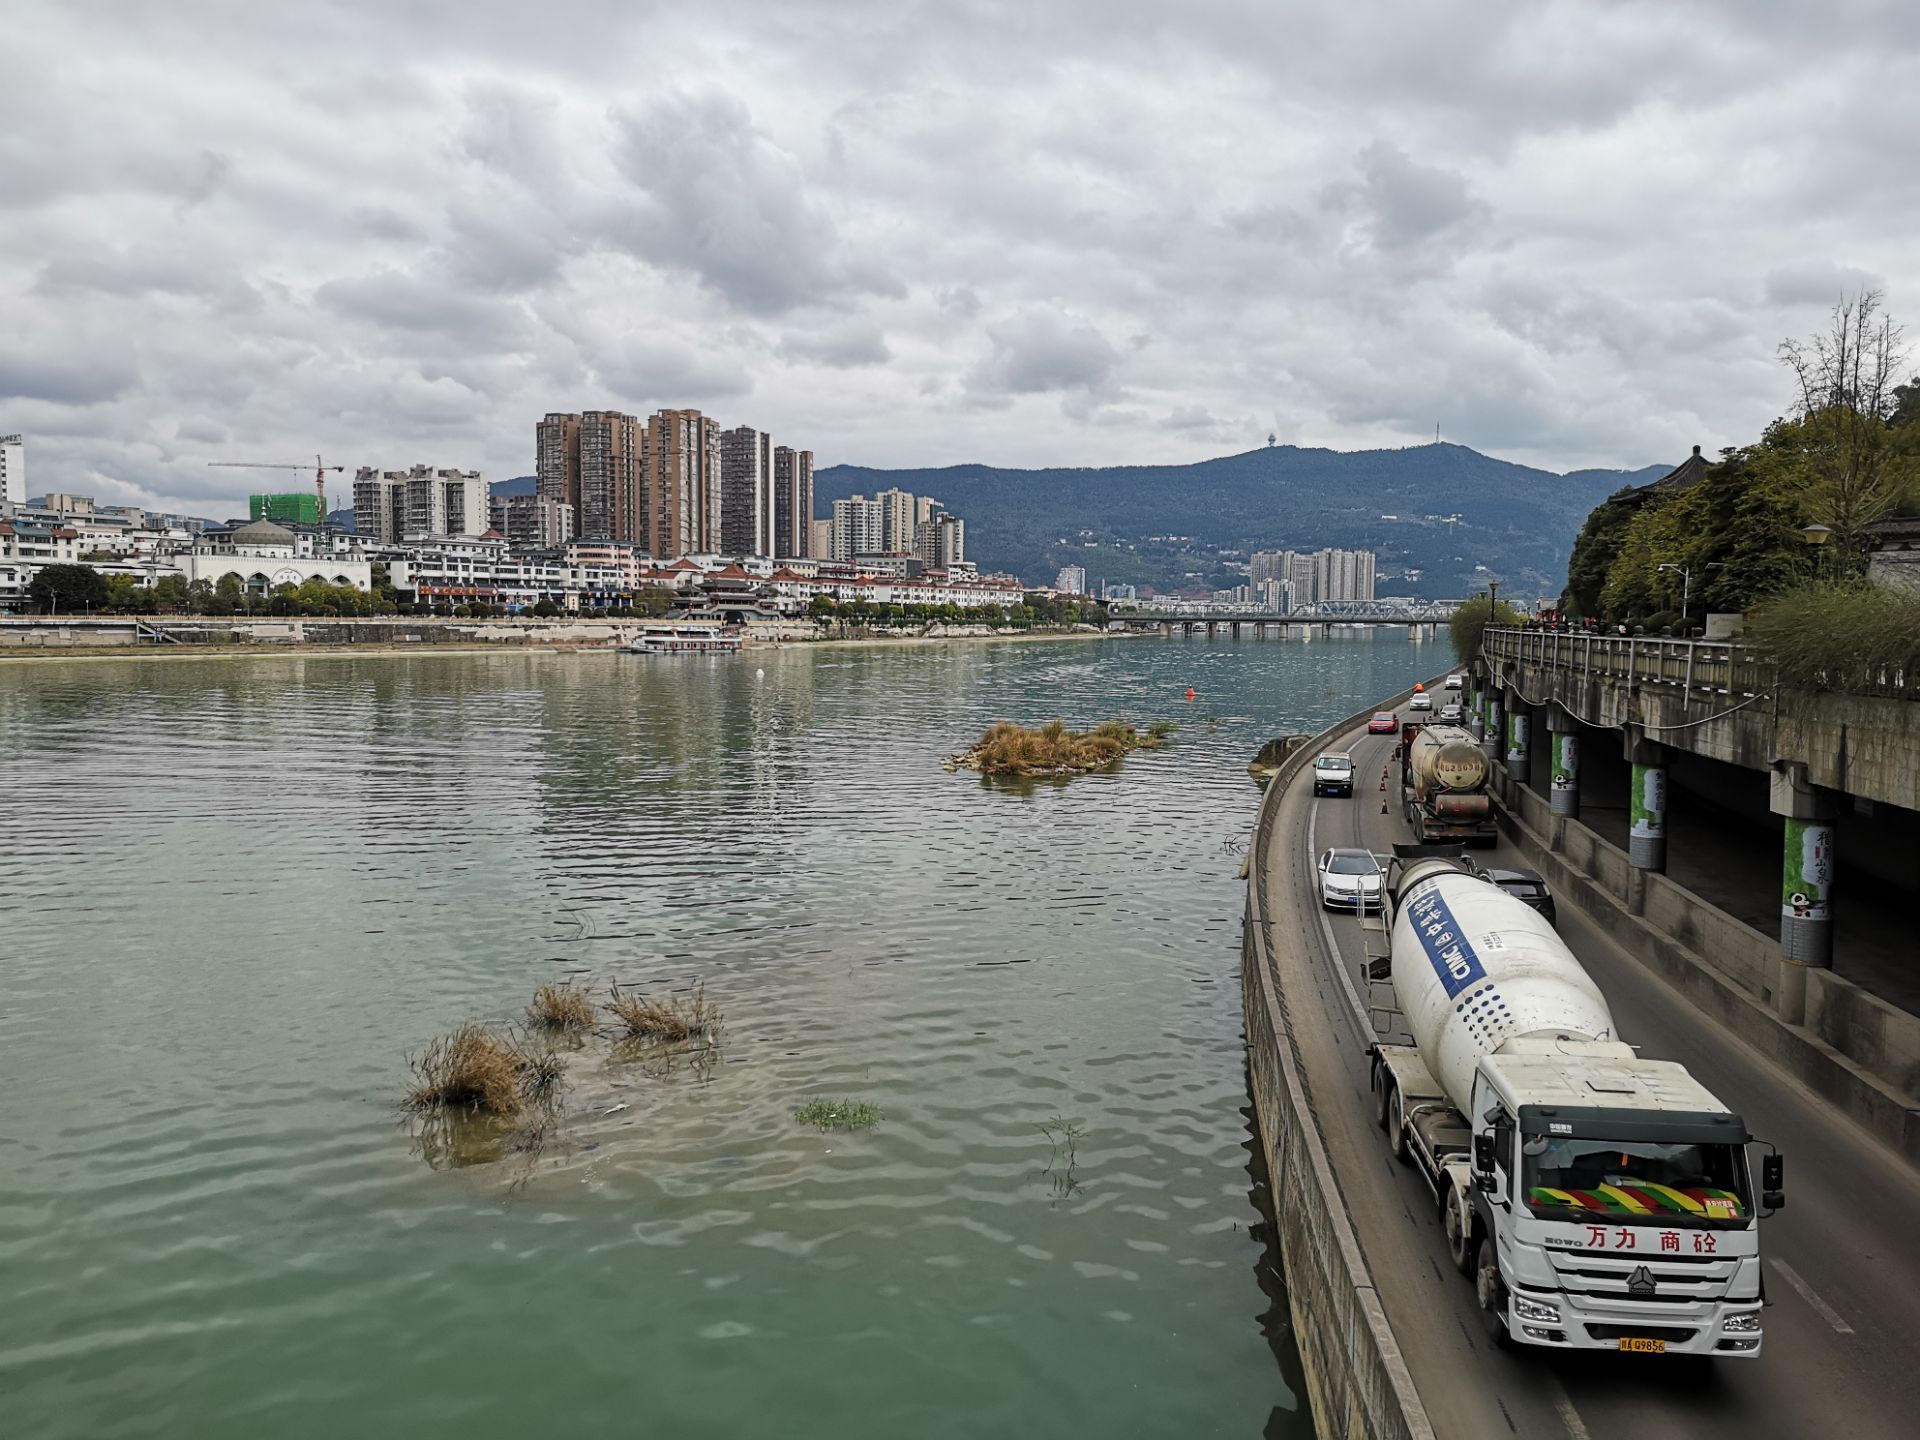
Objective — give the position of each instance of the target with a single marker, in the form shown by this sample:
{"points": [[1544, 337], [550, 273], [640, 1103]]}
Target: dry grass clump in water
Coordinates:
{"points": [[1052, 749], [480, 1070], [563, 1009], [643, 1018]]}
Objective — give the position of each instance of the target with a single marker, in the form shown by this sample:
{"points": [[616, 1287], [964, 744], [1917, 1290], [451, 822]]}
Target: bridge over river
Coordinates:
{"points": [[1391, 1336], [1424, 618]]}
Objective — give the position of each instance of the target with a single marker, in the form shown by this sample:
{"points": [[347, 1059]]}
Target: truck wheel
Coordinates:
{"points": [[1381, 1085], [1492, 1292], [1397, 1126], [1457, 1221]]}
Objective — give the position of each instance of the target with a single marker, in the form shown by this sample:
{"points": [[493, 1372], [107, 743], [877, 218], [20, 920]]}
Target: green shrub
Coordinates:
{"points": [[1848, 635]]}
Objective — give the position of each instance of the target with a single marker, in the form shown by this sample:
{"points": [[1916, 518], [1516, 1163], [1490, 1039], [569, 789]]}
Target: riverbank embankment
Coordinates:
{"points": [[28, 638]]}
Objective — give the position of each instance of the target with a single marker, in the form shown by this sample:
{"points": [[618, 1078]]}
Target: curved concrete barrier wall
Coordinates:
{"points": [[1357, 1380]]}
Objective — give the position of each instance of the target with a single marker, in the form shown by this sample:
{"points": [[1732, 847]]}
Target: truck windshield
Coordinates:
{"points": [[1637, 1181]]}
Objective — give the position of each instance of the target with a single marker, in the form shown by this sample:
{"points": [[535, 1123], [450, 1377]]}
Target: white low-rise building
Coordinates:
{"points": [[265, 555]]}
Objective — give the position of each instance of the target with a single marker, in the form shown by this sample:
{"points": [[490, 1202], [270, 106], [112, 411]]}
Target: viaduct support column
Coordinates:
{"points": [[1519, 755], [1563, 787], [1494, 731], [1647, 805], [1806, 883]]}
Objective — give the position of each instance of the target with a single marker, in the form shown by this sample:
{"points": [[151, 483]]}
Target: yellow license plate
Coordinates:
{"points": [[1643, 1347]]}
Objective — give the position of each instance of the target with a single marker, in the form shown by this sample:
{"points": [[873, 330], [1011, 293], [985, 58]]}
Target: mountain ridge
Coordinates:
{"points": [[1443, 518]]}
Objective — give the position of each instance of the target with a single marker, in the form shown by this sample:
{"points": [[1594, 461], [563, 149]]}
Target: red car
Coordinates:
{"points": [[1382, 723]]}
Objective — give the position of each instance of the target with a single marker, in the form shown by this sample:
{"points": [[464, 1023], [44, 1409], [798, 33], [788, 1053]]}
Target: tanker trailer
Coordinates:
{"points": [[1443, 786], [1596, 1200]]}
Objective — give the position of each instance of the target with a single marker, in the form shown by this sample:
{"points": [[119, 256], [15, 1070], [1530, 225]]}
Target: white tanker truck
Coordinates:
{"points": [[1443, 785], [1598, 1201]]}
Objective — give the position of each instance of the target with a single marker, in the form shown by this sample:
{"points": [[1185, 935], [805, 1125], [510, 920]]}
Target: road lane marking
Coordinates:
{"points": [[1570, 1417], [1824, 1310], [1326, 927]]}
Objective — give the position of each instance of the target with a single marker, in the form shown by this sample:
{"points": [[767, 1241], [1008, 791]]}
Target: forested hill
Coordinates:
{"points": [[1438, 510]]}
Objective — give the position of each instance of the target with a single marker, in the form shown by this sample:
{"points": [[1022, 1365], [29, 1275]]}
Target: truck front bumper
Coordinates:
{"points": [[1581, 1322]]}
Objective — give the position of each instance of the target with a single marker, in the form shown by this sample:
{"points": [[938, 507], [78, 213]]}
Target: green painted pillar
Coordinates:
{"points": [[1519, 755], [1806, 892], [1647, 817], [1490, 740], [1563, 786]]}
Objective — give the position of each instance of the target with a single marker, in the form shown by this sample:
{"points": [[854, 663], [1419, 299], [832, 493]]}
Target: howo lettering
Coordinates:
{"points": [[1597, 1200]]}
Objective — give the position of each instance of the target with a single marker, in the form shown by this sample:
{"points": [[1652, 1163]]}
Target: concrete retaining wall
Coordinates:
{"points": [[1856, 1051], [1357, 1380]]}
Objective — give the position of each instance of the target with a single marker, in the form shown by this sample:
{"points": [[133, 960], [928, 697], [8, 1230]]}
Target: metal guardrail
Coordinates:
{"points": [[1712, 669]]}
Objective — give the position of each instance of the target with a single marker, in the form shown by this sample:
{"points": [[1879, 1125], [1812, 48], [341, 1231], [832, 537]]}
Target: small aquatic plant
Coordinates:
{"points": [[562, 1009], [642, 1017], [838, 1114], [482, 1070]]}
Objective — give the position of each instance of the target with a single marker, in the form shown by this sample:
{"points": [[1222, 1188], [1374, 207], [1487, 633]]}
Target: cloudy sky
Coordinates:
{"points": [[928, 231]]}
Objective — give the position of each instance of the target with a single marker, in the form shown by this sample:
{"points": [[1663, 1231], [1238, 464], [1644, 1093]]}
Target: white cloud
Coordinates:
{"points": [[398, 232]]}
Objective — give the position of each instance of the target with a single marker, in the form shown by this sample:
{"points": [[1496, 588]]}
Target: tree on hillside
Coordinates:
{"points": [[1847, 377], [57, 589], [1594, 552]]}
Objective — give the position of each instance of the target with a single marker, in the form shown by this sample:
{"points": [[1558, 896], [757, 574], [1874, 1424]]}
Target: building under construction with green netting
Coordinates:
{"points": [[300, 508]]}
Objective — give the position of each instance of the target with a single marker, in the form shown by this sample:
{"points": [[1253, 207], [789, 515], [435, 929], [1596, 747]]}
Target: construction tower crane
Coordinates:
{"points": [[319, 477]]}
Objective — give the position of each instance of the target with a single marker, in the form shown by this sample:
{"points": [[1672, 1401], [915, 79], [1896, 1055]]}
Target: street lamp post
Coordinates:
{"points": [[1686, 590], [1817, 537]]}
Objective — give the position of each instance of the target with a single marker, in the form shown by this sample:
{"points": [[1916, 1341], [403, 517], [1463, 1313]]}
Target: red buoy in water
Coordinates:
{"points": [[1189, 692]]}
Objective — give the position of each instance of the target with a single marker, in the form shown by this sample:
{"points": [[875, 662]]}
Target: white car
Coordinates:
{"points": [[1457, 680], [1333, 775], [1421, 701], [1349, 880]]}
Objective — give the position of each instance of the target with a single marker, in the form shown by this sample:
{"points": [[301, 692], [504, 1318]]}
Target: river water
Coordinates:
{"points": [[235, 894]]}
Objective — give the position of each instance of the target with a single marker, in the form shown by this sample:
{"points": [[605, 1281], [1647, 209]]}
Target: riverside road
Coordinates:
{"points": [[1842, 1261]]}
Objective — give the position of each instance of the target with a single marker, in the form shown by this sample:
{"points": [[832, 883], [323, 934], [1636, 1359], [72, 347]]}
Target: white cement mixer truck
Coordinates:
{"points": [[1596, 1200]]}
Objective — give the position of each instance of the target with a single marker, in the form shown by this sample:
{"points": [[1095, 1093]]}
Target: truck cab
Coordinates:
{"points": [[1612, 1203]]}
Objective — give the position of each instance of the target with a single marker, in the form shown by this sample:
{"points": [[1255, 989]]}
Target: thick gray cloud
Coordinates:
{"points": [[1569, 234]]}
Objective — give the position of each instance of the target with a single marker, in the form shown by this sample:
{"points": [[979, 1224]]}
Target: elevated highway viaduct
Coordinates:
{"points": [[1842, 1261]]}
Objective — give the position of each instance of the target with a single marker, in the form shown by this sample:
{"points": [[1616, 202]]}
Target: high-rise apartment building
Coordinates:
{"points": [[418, 504], [613, 499], [556, 459], [682, 484], [858, 528], [820, 539], [941, 541], [1267, 565], [747, 489], [1072, 579], [793, 521], [13, 469], [897, 509], [1341, 575], [535, 522]]}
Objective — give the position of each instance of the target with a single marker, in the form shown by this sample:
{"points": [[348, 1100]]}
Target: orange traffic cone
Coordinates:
{"points": [[1383, 805]]}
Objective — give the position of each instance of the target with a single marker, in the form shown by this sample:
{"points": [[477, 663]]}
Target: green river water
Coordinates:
{"points": [[236, 893]]}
